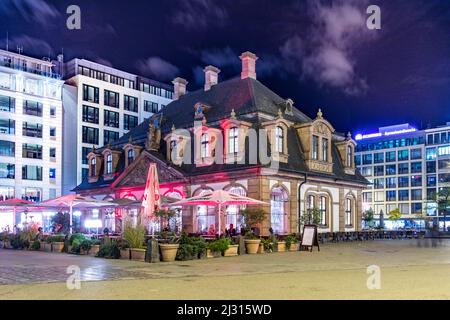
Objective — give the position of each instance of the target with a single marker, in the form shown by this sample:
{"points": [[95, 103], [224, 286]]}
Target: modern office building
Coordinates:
{"points": [[30, 128], [100, 105], [406, 168]]}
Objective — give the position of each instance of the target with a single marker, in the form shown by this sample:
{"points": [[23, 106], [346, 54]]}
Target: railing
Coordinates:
{"points": [[30, 70]]}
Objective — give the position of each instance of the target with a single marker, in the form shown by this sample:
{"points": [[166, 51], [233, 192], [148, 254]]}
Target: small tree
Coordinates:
{"points": [[166, 217], [311, 216], [368, 218], [395, 215], [253, 216]]}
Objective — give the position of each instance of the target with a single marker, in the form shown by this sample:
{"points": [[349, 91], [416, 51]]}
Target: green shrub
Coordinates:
{"points": [[17, 242], [55, 238], [290, 239], [220, 245], [36, 245], [191, 247], [109, 251], [86, 245], [268, 245], [76, 236]]}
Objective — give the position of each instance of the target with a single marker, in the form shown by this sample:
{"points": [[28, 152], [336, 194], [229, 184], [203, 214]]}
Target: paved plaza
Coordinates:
{"points": [[409, 270]]}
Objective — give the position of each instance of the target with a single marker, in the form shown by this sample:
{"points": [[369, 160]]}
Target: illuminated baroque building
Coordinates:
{"points": [[239, 136]]}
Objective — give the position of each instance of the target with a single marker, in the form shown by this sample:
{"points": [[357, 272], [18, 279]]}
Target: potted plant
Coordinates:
{"points": [[266, 246], [135, 236], [168, 246], [85, 246], [109, 250], [218, 247], [281, 245], [36, 245], [95, 247], [252, 217], [124, 249], [232, 250], [191, 248], [48, 244], [292, 243], [57, 243], [75, 242]]}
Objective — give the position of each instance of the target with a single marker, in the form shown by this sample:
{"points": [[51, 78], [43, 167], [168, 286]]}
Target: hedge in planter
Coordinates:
{"points": [[109, 251], [191, 248], [219, 246], [292, 242]]}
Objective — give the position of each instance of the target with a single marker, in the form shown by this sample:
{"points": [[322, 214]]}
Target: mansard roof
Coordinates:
{"points": [[252, 102]]}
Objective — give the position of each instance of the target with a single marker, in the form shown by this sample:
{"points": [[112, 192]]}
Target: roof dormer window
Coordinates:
{"points": [[205, 146], [233, 140], [94, 167], [279, 139], [109, 163], [349, 156], [315, 148], [130, 156]]}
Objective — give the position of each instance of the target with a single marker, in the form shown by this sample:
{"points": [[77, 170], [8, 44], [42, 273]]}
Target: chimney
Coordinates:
{"points": [[179, 87], [211, 76], [248, 65]]}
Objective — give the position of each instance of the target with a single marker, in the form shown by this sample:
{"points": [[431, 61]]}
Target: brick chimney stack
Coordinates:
{"points": [[211, 76], [248, 65], [179, 87]]}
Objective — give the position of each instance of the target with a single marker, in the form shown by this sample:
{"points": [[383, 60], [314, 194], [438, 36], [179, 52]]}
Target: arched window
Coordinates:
{"points": [[176, 223], [348, 211], [130, 155], [323, 210], [93, 167], [349, 156], [206, 215], [279, 139], [233, 143], [232, 212], [205, 145], [278, 210], [109, 164]]}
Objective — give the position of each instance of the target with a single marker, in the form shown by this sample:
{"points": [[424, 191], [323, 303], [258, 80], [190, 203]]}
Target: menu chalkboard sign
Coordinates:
{"points": [[309, 237]]}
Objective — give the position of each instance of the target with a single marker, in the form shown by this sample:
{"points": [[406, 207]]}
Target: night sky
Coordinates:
{"points": [[319, 53]]}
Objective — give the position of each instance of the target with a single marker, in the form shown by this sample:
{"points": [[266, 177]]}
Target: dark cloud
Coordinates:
{"points": [[158, 67], [326, 53], [31, 10], [199, 14]]}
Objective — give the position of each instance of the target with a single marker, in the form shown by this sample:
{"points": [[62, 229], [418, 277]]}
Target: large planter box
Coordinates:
{"points": [[2, 245], [7, 244], [232, 251], [281, 246], [125, 254], [212, 254], [42, 247], [47, 247], [168, 251], [138, 254], [57, 246], [294, 247], [94, 250], [252, 246]]}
